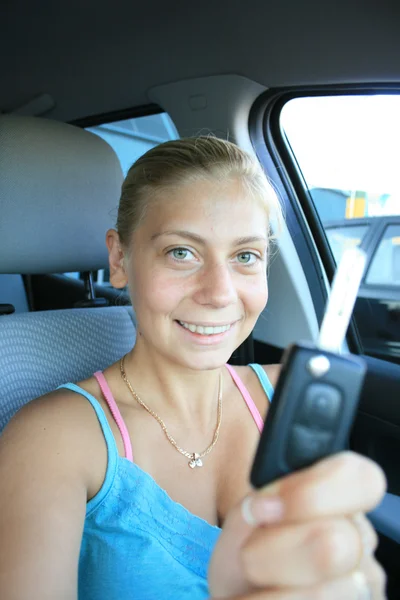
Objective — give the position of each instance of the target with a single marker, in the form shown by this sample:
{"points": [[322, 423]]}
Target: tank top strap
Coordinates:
{"points": [[264, 380], [246, 397], [112, 450], [112, 405]]}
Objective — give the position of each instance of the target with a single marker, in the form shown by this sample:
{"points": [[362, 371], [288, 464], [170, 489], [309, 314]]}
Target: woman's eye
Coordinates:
{"points": [[247, 258], [181, 254]]}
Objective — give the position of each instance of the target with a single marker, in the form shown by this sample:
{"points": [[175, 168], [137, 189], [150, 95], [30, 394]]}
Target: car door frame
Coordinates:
{"points": [[317, 259]]}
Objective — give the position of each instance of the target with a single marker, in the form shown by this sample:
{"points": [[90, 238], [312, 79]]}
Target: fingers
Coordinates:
{"points": [[306, 554], [359, 585], [368, 536], [301, 530], [375, 578], [345, 483]]}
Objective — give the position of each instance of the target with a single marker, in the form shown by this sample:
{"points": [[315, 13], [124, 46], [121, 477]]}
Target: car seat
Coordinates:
{"points": [[59, 192]]}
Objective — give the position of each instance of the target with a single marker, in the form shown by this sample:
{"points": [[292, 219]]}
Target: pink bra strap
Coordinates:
{"points": [[109, 398], [247, 398]]}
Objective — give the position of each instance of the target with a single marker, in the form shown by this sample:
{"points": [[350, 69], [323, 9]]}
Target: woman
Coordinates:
{"points": [[82, 515]]}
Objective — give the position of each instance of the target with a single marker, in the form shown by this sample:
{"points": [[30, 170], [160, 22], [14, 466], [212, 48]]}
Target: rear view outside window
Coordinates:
{"points": [[340, 238], [385, 266], [347, 149], [133, 137]]}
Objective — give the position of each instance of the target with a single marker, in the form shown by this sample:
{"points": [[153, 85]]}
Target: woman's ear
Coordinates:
{"points": [[118, 276]]}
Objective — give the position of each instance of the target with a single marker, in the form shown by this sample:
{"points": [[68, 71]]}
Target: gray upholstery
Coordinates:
{"points": [[39, 351], [59, 191], [59, 187]]}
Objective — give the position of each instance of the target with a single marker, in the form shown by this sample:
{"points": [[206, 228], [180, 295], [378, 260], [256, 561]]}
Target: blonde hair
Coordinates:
{"points": [[189, 160]]}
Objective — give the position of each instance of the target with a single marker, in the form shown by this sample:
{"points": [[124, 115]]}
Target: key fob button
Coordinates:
{"points": [[306, 445], [320, 407]]}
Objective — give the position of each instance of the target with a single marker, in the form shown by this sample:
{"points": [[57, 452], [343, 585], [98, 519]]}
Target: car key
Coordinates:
{"points": [[318, 390]]}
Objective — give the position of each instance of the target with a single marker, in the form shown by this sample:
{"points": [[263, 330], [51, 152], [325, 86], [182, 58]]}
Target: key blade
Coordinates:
{"points": [[345, 286]]}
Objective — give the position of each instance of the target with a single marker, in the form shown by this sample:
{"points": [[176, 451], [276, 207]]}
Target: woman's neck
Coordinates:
{"points": [[172, 390]]}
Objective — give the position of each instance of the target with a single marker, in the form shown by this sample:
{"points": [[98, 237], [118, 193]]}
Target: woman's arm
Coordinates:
{"points": [[43, 478]]}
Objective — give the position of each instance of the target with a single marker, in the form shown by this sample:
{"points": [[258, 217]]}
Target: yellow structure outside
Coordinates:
{"points": [[355, 207]]}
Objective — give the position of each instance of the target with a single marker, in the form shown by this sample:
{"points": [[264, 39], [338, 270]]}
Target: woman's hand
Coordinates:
{"points": [[304, 537]]}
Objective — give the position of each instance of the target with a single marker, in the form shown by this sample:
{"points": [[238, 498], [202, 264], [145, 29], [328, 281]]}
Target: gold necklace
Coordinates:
{"points": [[195, 458]]}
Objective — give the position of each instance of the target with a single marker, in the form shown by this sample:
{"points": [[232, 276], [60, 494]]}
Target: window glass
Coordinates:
{"points": [[133, 137], [347, 148], [385, 266], [340, 238]]}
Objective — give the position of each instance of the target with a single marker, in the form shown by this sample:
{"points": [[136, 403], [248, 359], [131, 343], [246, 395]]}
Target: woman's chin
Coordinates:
{"points": [[205, 361]]}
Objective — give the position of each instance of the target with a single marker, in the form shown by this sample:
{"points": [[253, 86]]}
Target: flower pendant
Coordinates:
{"points": [[195, 461]]}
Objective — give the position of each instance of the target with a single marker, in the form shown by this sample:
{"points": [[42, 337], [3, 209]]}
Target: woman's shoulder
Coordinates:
{"points": [[258, 393], [247, 373], [58, 424], [62, 409], [272, 372]]}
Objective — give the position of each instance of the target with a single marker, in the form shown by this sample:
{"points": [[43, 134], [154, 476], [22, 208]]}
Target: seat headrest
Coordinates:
{"points": [[59, 192]]}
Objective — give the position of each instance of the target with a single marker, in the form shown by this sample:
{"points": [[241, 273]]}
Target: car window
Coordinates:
{"points": [[130, 138], [340, 238], [346, 149], [385, 265]]}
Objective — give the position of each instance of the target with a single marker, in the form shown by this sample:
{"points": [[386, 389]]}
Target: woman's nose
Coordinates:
{"points": [[217, 286]]}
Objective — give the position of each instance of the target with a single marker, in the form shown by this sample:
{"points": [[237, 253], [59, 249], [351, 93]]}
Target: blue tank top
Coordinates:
{"points": [[138, 543]]}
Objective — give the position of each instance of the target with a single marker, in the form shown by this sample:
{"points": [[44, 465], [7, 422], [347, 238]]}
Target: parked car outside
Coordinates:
{"points": [[377, 310]]}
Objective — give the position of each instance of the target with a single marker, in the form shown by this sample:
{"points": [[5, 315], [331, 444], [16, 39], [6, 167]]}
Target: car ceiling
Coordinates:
{"points": [[95, 57]]}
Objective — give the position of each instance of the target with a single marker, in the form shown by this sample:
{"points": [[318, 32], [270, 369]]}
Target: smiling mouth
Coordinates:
{"points": [[206, 329]]}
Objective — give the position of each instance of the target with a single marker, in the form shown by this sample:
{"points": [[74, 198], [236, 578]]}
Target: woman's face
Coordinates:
{"points": [[197, 273]]}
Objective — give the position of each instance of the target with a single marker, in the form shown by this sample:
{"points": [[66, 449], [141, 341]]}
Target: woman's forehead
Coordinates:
{"points": [[208, 207]]}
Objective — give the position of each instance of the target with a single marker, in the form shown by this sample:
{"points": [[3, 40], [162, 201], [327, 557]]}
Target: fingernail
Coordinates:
{"points": [[257, 511], [363, 590], [367, 544], [367, 540]]}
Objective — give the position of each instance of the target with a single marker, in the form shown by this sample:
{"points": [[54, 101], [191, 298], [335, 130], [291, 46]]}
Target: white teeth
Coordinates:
{"points": [[205, 330]]}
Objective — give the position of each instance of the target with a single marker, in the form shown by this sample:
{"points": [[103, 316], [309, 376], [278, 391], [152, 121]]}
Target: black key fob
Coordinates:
{"points": [[318, 390], [311, 413]]}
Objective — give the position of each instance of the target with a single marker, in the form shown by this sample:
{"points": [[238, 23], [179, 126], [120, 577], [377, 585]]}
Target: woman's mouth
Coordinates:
{"points": [[206, 329]]}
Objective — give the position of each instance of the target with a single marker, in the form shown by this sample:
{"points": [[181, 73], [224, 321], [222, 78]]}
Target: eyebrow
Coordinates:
{"points": [[197, 238]]}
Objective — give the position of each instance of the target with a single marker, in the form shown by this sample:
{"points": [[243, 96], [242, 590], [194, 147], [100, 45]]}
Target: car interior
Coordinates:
{"points": [[85, 88]]}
